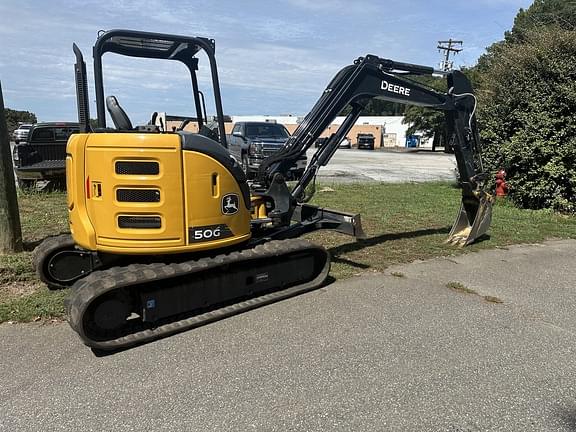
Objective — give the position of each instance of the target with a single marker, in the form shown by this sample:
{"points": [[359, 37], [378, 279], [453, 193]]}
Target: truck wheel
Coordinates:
{"points": [[297, 175], [57, 185], [25, 184], [246, 168], [449, 146]]}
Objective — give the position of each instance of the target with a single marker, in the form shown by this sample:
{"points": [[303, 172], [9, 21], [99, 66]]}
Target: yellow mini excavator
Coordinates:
{"points": [[166, 232]]}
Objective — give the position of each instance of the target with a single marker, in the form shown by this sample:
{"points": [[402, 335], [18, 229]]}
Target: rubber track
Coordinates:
{"points": [[46, 248], [98, 283]]}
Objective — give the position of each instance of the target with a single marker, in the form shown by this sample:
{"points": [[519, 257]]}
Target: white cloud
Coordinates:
{"points": [[340, 6], [276, 57]]}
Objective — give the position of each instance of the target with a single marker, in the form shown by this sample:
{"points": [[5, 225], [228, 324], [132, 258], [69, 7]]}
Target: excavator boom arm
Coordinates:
{"points": [[373, 77]]}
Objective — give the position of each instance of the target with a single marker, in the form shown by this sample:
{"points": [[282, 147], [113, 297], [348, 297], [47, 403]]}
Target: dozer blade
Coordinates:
{"points": [[473, 219], [335, 220]]}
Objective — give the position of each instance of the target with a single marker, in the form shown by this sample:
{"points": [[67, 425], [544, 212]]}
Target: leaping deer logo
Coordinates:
{"points": [[230, 204]]}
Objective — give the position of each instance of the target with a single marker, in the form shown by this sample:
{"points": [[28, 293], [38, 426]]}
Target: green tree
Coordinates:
{"points": [[526, 109], [542, 14], [14, 117], [425, 120], [429, 122], [558, 14]]}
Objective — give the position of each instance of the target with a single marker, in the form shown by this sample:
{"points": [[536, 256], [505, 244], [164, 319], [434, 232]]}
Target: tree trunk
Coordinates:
{"points": [[10, 231]]}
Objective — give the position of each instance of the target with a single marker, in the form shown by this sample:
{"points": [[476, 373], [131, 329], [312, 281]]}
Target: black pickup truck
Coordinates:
{"points": [[43, 155], [365, 141], [251, 142]]}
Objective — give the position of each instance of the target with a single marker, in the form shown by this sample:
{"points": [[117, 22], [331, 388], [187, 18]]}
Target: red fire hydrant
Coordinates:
{"points": [[501, 186]]}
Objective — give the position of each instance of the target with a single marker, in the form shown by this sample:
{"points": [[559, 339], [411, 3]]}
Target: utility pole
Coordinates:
{"points": [[448, 47], [10, 230]]}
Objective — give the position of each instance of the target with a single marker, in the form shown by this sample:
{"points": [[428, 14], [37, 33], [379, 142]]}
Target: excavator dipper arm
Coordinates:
{"points": [[373, 77]]}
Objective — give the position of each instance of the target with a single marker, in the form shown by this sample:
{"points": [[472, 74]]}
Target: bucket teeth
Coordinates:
{"points": [[460, 238], [473, 220]]}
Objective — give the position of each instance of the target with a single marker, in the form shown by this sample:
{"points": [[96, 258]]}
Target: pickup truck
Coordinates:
{"points": [[365, 141], [21, 133], [251, 142], [43, 155]]}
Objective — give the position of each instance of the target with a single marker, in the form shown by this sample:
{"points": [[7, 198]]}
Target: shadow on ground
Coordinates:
{"points": [[568, 417], [373, 241], [31, 245]]}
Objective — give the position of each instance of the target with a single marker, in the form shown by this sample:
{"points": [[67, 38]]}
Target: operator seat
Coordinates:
{"points": [[119, 116]]}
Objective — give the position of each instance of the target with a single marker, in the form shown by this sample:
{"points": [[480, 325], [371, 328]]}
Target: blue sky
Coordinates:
{"points": [[274, 57]]}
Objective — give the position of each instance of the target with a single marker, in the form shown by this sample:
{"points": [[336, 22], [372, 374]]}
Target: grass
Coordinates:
{"points": [[22, 296], [492, 299], [42, 304], [407, 222], [403, 223], [460, 287], [42, 214]]}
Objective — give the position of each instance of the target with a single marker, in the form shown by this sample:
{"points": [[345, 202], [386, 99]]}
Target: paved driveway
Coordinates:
{"points": [[378, 352], [387, 166]]}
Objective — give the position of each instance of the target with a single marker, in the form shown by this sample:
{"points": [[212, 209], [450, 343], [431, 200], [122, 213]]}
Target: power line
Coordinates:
{"points": [[449, 46]]}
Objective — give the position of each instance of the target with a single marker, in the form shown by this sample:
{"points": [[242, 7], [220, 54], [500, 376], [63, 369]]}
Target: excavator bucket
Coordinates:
{"points": [[473, 219]]}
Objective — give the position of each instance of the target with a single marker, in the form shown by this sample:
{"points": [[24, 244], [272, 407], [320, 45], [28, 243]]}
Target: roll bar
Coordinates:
{"points": [[162, 46]]}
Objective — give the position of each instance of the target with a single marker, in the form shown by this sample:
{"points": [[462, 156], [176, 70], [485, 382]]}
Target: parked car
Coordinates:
{"points": [[345, 143], [43, 155], [365, 141], [252, 142], [21, 133]]}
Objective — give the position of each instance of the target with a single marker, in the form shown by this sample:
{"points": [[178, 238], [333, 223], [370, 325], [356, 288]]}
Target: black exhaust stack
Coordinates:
{"points": [[81, 91]]}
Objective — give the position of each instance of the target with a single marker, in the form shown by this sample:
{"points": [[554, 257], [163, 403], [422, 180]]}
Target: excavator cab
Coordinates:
{"points": [[146, 189], [130, 43]]}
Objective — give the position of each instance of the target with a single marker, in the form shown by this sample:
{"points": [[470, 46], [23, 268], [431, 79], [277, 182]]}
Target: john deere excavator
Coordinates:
{"points": [[166, 232]]}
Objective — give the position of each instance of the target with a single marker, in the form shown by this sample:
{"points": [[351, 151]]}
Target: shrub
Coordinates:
{"points": [[527, 112]]}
